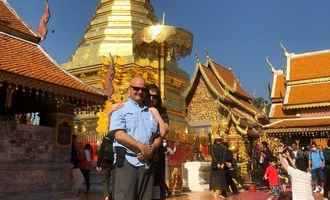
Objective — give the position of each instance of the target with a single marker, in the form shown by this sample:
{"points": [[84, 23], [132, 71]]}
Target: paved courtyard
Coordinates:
{"points": [[197, 196], [259, 195]]}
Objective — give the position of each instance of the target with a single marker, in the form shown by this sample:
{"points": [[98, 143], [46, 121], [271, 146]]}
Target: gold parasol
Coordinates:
{"points": [[160, 40]]}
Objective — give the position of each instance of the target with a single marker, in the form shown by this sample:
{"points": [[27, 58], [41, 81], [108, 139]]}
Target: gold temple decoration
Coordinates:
{"points": [[109, 43], [162, 40]]}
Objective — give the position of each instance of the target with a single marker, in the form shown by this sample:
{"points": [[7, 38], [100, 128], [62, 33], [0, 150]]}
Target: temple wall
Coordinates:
{"points": [[31, 163]]}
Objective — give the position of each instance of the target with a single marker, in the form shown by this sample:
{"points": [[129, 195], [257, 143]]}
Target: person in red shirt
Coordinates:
{"points": [[271, 175]]}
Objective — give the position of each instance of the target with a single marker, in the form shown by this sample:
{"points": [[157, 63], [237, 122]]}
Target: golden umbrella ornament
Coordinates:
{"points": [[157, 41]]}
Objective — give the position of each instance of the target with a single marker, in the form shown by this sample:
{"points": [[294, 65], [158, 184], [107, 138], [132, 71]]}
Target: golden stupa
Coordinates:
{"points": [[107, 58]]}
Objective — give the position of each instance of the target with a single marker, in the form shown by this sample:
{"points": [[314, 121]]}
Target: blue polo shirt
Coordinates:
{"points": [[137, 122], [316, 157]]}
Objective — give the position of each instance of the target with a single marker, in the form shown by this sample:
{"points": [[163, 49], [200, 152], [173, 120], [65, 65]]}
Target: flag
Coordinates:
{"points": [[42, 29]]}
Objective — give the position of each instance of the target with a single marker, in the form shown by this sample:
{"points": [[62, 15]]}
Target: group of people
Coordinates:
{"points": [[298, 173], [222, 170], [132, 154]]}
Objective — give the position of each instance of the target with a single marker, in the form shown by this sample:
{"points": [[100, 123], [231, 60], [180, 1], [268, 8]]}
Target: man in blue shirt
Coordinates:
{"points": [[316, 164], [133, 126]]}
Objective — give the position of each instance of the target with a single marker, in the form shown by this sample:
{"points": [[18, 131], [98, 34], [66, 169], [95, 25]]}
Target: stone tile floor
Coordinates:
{"points": [[196, 196], [259, 195]]}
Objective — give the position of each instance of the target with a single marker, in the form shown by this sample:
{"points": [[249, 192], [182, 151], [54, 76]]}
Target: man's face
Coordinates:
{"points": [[137, 90], [313, 147]]}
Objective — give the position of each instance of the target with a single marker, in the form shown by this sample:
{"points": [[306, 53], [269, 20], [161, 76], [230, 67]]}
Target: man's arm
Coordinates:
{"points": [[123, 138]]}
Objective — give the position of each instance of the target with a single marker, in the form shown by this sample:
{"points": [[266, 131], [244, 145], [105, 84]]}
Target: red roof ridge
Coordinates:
{"points": [[309, 53], [55, 64], [235, 87], [6, 3], [66, 72]]}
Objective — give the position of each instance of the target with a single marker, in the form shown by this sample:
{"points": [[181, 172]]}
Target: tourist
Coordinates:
{"points": [[316, 165], [326, 153], [153, 100], [133, 127], [272, 176], [218, 181], [230, 169], [105, 163], [77, 177], [301, 182], [265, 155], [86, 164], [299, 157]]}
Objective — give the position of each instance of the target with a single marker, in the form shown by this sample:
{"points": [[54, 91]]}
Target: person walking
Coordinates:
{"points": [[230, 169], [105, 163], [133, 127], [272, 176], [86, 164], [326, 153], [218, 182], [316, 165], [299, 157]]}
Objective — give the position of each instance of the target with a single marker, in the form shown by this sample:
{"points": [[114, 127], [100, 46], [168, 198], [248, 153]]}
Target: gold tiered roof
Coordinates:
{"points": [[227, 89], [300, 97]]}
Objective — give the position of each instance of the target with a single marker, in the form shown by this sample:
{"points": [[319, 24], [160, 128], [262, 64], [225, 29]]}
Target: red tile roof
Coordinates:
{"points": [[227, 78], [10, 19], [309, 65], [29, 60], [308, 94]]}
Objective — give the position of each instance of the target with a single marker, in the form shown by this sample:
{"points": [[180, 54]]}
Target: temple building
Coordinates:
{"points": [[217, 105], [108, 53], [300, 98], [38, 100]]}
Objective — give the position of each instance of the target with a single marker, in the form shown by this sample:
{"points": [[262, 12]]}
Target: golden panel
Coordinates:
{"points": [[202, 99]]}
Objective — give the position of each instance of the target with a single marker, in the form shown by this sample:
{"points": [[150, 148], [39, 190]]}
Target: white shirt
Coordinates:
{"points": [[301, 184], [88, 156]]}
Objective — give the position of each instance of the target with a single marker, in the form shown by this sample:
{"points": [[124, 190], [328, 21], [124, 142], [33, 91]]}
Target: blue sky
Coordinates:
{"points": [[236, 33]]}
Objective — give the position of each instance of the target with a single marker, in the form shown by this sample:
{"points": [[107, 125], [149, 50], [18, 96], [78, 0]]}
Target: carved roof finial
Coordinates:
{"points": [[285, 50], [163, 20], [207, 54], [270, 65], [197, 58]]}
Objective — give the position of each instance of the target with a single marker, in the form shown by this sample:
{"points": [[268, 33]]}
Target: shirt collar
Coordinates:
{"points": [[143, 108]]}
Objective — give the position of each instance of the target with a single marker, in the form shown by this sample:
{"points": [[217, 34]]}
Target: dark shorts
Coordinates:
{"points": [[318, 175], [276, 190]]}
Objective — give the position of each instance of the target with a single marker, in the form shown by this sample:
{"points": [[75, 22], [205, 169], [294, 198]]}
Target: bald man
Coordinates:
{"points": [[133, 126]]}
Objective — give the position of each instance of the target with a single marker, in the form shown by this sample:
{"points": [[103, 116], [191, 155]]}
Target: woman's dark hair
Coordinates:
{"points": [[154, 88]]}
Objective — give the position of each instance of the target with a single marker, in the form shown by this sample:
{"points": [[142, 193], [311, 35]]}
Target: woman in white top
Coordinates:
{"points": [[301, 182]]}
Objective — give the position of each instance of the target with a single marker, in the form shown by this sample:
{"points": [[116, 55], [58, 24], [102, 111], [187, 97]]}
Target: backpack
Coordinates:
{"points": [[326, 154], [106, 153]]}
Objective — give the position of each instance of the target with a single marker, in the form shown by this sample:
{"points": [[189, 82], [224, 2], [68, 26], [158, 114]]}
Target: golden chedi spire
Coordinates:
{"points": [[111, 31]]}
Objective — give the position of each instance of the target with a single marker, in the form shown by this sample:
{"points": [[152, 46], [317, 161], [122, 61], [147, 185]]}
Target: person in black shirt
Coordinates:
{"points": [[105, 163]]}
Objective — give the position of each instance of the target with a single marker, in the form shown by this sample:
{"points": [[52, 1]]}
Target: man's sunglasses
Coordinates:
{"points": [[142, 89]]}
